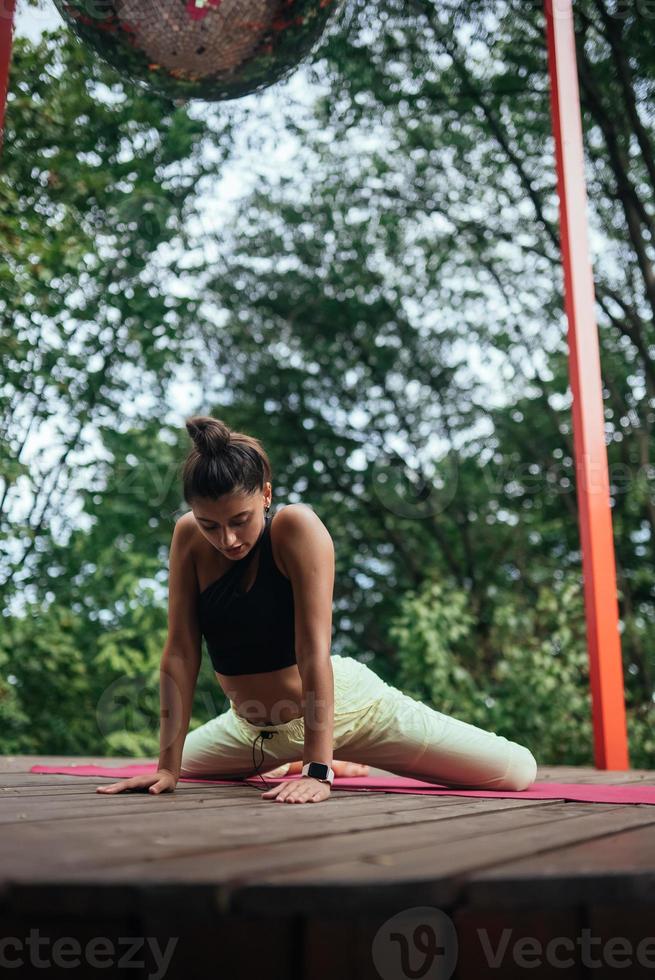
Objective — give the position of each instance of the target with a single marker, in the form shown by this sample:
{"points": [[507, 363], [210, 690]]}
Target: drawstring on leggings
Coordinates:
{"points": [[262, 736]]}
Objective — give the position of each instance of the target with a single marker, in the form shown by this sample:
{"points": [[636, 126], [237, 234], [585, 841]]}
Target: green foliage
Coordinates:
{"points": [[385, 315], [537, 690], [432, 633], [96, 178]]}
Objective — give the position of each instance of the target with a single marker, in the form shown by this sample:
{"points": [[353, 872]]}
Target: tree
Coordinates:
{"points": [[386, 315], [96, 182], [414, 247]]}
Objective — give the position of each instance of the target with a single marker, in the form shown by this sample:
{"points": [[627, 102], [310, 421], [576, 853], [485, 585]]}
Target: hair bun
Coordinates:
{"points": [[210, 436]]}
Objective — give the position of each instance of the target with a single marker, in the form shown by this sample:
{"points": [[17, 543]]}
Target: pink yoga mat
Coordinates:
{"points": [[583, 792]]}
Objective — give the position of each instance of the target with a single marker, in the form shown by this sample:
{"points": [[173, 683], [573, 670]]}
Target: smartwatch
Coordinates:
{"points": [[318, 770]]}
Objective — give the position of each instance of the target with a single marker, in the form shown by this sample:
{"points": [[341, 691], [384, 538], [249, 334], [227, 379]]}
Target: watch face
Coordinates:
{"points": [[318, 770]]}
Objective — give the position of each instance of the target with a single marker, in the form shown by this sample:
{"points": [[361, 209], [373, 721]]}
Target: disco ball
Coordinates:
{"points": [[201, 49]]}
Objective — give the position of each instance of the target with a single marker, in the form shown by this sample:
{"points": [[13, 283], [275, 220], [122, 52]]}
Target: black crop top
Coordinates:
{"points": [[249, 632]]}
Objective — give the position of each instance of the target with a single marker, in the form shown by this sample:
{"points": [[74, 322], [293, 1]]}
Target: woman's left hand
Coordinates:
{"points": [[303, 790]]}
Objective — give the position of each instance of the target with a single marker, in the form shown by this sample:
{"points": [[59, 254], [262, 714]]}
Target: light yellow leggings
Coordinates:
{"points": [[374, 724]]}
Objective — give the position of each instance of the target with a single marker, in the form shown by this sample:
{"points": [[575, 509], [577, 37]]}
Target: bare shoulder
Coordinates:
{"points": [[185, 533], [296, 518], [189, 541], [186, 527], [297, 528]]}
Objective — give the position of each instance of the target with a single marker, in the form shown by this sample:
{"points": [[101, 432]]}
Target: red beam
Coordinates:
{"points": [[7, 10], [595, 516]]}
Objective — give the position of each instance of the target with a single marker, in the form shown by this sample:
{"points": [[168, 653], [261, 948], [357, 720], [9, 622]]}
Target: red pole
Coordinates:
{"points": [[595, 516], [7, 10]]}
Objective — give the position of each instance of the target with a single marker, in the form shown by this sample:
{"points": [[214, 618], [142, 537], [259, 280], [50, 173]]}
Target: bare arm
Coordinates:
{"points": [[309, 559], [180, 662], [179, 668]]}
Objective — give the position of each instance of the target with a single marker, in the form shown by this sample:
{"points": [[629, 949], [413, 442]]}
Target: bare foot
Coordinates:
{"points": [[340, 769], [349, 769], [286, 769]]}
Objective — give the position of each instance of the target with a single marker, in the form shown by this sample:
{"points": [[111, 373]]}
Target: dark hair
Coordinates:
{"points": [[222, 461]]}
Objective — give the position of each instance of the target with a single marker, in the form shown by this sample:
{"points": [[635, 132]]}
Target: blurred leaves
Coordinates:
{"points": [[383, 310], [539, 684]]}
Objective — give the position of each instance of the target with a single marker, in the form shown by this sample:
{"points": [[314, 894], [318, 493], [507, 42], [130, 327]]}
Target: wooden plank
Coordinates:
{"points": [[43, 806], [137, 841], [70, 901], [27, 779], [493, 943], [625, 937], [242, 880], [85, 786], [55, 779], [47, 783], [18, 809], [329, 948], [11, 779], [191, 937], [228, 868], [573, 774], [370, 947], [352, 948], [562, 774], [152, 945], [54, 945], [367, 844], [129, 854], [23, 763], [211, 943], [584, 774], [73, 791], [434, 868], [621, 865]]}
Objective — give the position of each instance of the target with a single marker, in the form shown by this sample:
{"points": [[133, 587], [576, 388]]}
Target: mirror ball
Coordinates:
{"points": [[201, 49]]}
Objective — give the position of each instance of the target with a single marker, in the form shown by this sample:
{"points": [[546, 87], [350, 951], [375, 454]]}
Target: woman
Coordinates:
{"points": [[259, 589]]}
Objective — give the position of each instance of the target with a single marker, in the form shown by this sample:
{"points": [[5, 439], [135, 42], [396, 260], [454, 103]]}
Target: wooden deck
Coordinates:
{"points": [[248, 888]]}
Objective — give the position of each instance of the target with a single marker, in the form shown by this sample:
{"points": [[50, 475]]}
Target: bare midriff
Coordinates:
{"points": [[270, 698]]}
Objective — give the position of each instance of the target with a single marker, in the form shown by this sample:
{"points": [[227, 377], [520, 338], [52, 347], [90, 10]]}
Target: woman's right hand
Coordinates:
{"points": [[161, 781]]}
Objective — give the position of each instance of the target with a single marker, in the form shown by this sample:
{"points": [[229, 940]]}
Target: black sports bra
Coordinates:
{"points": [[249, 632]]}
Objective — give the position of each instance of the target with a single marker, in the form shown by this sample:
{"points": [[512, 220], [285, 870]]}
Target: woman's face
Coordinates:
{"points": [[234, 521]]}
